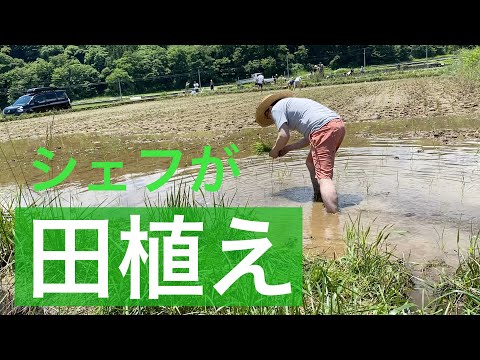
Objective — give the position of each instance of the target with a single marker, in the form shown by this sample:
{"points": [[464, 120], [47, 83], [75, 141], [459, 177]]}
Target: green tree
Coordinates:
{"points": [[178, 63], [245, 53], [3, 91], [77, 79], [97, 56], [252, 66], [5, 50], [117, 78], [297, 68], [43, 71], [117, 51], [301, 55], [403, 52], [425, 51], [335, 63], [147, 67], [200, 59], [75, 52], [105, 72], [268, 66], [47, 51], [223, 70], [34, 74], [382, 54], [27, 53], [62, 60], [7, 63]]}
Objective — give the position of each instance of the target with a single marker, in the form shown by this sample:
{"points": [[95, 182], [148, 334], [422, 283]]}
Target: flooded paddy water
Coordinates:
{"points": [[427, 190]]}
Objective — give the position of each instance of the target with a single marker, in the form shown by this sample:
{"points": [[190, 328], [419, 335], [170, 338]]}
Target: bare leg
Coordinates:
{"points": [[325, 147], [329, 195], [311, 169]]}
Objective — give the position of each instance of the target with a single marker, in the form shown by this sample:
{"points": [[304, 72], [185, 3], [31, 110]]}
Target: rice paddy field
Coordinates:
{"points": [[406, 240]]}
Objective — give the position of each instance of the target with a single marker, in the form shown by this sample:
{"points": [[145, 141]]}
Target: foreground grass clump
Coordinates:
{"points": [[367, 280], [468, 64], [460, 293], [6, 235]]}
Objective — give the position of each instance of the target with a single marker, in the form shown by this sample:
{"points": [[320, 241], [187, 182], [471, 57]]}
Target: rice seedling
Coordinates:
{"points": [[260, 147], [441, 241], [462, 188]]}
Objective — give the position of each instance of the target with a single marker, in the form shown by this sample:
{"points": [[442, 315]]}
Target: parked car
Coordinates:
{"points": [[39, 99]]}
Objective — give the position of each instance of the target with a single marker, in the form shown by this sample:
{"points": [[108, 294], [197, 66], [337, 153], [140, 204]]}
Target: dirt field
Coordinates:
{"points": [[396, 99]]}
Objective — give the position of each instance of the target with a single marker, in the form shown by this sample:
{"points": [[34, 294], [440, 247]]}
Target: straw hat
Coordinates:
{"points": [[265, 104]]}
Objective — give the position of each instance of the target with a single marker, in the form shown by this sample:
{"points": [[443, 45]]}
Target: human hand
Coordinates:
{"points": [[273, 153], [283, 151]]}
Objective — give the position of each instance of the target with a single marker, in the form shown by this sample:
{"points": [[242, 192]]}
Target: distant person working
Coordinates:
{"points": [[296, 82], [259, 81], [196, 88]]}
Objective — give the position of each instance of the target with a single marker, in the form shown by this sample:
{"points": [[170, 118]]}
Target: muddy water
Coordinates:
{"points": [[430, 195]]}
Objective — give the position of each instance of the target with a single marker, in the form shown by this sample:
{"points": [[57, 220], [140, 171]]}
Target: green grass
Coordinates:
{"points": [[460, 293], [468, 64], [7, 222], [260, 147], [367, 280]]}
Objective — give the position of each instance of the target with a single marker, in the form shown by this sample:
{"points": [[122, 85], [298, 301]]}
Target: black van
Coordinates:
{"points": [[39, 99]]}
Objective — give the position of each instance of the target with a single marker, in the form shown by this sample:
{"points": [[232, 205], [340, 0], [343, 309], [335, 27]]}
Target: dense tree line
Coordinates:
{"points": [[92, 70]]}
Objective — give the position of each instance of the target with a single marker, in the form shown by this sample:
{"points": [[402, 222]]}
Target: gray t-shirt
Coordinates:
{"points": [[303, 115]]}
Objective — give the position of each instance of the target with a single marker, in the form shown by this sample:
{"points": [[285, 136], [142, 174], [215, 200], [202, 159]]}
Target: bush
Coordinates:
{"points": [[297, 68], [468, 64]]}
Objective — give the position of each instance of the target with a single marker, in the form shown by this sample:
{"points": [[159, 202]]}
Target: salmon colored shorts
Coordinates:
{"points": [[324, 144]]}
